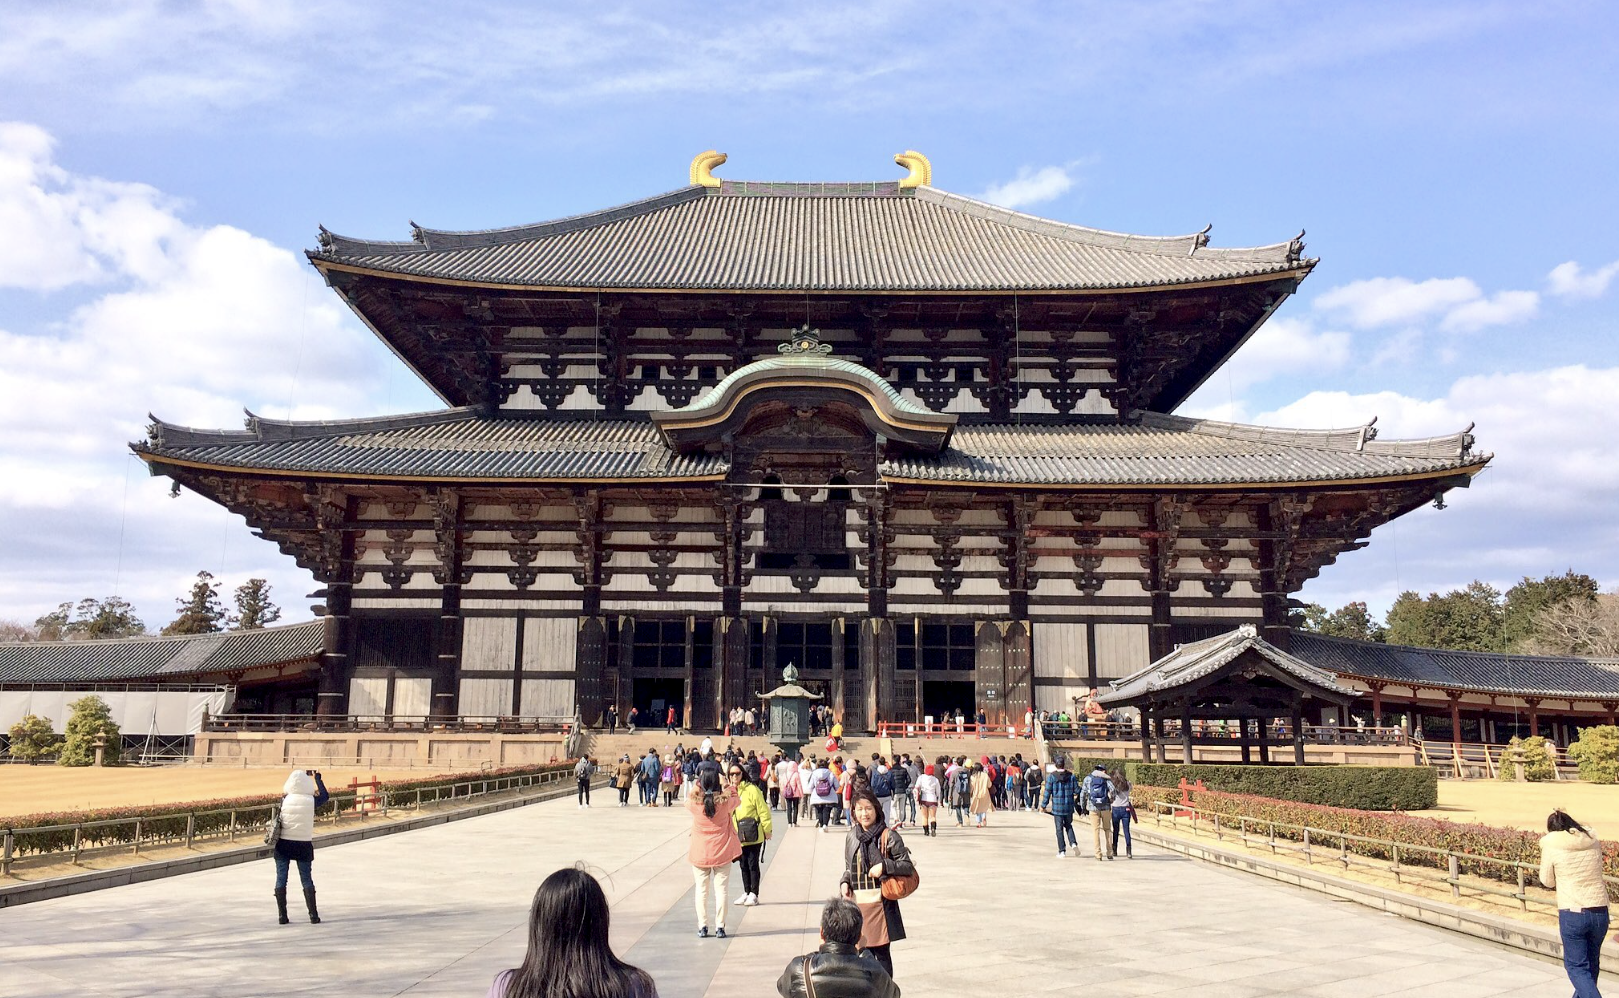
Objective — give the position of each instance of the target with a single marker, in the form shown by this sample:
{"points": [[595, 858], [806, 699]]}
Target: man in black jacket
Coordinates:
{"points": [[838, 969]]}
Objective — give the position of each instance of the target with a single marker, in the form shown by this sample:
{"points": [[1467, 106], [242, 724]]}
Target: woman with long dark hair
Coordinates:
{"points": [[568, 954], [871, 854], [714, 846], [1571, 862]]}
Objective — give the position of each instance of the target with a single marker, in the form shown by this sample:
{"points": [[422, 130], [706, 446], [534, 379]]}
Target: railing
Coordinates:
{"points": [[950, 729], [1215, 733], [1316, 845], [226, 824], [1465, 760], [396, 722]]}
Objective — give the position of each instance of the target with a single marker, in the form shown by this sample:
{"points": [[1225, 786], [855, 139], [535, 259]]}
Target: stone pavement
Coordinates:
{"points": [[441, 910]]}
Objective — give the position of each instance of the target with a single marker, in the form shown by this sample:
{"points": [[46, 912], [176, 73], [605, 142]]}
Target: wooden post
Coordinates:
{"points": [[1456, 722], [1158, 736], [1186, 732], [1534, 715], [1377, 704], [689, 675], [1146, 735], [1297, 721], [1247, 755], [1264, 741]]}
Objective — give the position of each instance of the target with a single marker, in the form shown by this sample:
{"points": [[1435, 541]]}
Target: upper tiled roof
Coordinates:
{"points": [[810, 237], [1160, 450], [150, 658], [1491, 672], [1197, 659]]}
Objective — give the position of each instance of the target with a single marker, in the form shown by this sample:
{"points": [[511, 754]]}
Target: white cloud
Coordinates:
{"points": [[1286, 345], [1030, 186], [1568, 280], [190, 322], [1501, 309], [1391, 301]]}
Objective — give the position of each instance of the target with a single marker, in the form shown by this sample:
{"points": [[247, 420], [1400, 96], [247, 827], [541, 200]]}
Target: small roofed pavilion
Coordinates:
{"points": [[1237, 676]]}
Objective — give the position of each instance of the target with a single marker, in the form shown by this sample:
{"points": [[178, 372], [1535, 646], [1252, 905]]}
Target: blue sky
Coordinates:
{"points": [[162, 163]]}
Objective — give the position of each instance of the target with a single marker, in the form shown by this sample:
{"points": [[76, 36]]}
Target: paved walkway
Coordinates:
{"points": [[440, 911]]}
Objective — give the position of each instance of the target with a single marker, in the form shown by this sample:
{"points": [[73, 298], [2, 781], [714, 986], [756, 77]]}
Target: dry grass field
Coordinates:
{"points": [[31, 789], [1525, 805]]}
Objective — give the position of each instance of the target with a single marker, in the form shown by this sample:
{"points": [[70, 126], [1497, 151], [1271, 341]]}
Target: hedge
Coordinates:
{"points": [[1510, 844], [166, 823], [1367, 788]]}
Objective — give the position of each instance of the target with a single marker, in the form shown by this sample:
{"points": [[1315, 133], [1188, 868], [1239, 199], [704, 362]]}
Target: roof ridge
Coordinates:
{"points": [[1359, 643], [155, 638], [261, 428], [1356, 439]]}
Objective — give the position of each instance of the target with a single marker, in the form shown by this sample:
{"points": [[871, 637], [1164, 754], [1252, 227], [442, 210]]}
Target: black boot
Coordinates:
{"points": [[309, 902], [281, 904]]}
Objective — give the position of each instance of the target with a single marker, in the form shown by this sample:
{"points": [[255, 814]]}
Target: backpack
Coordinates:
{"points": [[823, 785], [964, 785], [1096, 788], [882, 784]]}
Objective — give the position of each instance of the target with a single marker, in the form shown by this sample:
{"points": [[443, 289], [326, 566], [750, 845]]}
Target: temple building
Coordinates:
{"points": [[917, 444]]}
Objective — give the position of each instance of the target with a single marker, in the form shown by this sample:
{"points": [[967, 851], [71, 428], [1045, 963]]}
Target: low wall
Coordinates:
{"points": [[379, 749], [1342, 755]]}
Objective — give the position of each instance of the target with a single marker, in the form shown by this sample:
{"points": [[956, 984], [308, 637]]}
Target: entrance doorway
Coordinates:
{"points": [[653, 698], [941, 698]]}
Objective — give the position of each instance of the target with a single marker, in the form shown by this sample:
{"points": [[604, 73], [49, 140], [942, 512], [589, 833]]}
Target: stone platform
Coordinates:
{"points": [[441, 910]]}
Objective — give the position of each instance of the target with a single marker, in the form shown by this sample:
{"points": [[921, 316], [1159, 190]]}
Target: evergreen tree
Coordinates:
{"points": [[1352, 620], [32, 738], [200, 611], [112, 617], [1466, 619], [91, 716], [253, 606], [1529, 599]]}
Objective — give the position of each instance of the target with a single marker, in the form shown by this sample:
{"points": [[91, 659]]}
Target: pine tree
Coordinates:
{"points": [[200, 612], [253, 606], [32, 738], [91, 716]]}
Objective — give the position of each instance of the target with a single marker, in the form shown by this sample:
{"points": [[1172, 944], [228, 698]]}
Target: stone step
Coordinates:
{"points": [[606, 746]]}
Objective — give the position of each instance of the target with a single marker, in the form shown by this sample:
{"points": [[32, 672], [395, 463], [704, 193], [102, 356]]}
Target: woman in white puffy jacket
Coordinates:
{"points": [[1571, 862], [305, 791]]}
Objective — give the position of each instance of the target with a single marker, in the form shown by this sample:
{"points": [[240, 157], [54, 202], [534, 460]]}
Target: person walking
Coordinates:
{"points": [[882, 784], [752, 819], [961, 794], [1057, 800], [623, 776], [669, 779], [903, 801], [583, 770], [303, 793], [1123, 812], [823, 794], [792, 788], [714, 847], [873, 853], [1098, 794], [980, 803], [568, 952], [927, 796], [772, 776], [651, 767], [1571, 862], [669, 722], [838, 969], [1034, 779], [612, 718]]}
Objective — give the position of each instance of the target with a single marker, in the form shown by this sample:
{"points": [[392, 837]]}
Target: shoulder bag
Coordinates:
{"points": [[272, 828], [897, 887]]}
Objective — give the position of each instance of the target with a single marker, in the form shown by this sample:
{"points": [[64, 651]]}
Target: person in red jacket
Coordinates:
{"points": [[669, 724], [714, 846]]}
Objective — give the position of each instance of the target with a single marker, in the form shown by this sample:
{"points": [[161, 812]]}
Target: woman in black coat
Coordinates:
{"points": [[872, 854]]}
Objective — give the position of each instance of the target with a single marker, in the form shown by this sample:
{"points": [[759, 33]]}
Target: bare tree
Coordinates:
{"points": [[1578, 627], [16, 630]]}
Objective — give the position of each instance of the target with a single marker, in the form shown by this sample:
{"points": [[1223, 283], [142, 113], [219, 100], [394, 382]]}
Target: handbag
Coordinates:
{"points": [[272, 829], [898, 887], [747, 829]]}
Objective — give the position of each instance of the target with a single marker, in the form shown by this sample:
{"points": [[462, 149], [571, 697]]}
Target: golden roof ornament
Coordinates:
{"points": [[702, 168], [921, 174], [805, 341]]}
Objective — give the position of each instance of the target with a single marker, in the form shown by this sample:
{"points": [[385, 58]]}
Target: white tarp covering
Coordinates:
{"points": [[168, 713]]}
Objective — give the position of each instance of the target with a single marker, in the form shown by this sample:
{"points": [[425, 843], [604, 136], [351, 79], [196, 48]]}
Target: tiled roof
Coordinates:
{"points": [[821, 237], [787, 363], [129, 659], [1159, 450], [1492, 672], [1195, 660]]}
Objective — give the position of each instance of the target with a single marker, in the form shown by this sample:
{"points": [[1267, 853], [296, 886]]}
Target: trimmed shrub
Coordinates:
{"points": [[91, 716], [32, 738], [1597, 753], [1537, 762], [1468, 840], [1369, 788]]}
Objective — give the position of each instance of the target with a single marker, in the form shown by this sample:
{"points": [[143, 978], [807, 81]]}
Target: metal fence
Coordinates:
{"points": [[1404, 861], [228, 824]]}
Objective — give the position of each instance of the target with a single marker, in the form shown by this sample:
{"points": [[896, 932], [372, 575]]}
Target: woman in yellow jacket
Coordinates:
{"points": [[1571, 861], [752, 818]]}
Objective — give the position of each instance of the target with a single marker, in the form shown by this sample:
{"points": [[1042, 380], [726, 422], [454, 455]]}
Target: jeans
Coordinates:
{"points": [[584, 790], [1582, 933], [823, 815], [791, 806], [750, 867], [909, 809], [308, 878], [961, 811], [1121, 820], [1065, 823], [720, 876]]}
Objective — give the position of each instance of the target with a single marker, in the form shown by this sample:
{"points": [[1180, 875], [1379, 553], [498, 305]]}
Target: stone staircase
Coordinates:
{"points": [[607, 747]]}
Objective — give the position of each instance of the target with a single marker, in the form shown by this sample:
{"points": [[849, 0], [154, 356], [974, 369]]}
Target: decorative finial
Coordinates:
{"points": [[1295, 248], [702, 168], [418, 234], [921, 174], [805, 341], [1201, 239], [325, 238], [789, 675]]}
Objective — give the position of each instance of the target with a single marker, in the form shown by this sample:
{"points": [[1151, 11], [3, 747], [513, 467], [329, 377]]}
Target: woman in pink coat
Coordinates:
{"points": [[714, 847]]}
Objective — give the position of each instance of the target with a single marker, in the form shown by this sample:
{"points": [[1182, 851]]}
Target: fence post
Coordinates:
{"points": [[233, 825], [1343, 855], [5, 855], [78, 841], [1307, 858], [137, 836], [1272, 838], [1455, 875], [1397, 864], [191, 828], [1523, 898], [418, 798]]}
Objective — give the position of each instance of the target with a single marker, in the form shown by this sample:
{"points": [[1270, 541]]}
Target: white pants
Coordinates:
{"points": [[721, 875]]}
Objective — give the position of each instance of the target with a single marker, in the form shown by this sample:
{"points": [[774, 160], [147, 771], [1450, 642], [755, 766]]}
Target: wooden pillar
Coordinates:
{"points": [[1158, 736], [1297, 721], [1534, 715], [835, 695], [1456, 718], [1242, 738], [1377, 704], [877, 671], [448, 516], [1186, 732], [623, 685], [689, 675], [334, 512], [1264, 740], [1146, 733]]}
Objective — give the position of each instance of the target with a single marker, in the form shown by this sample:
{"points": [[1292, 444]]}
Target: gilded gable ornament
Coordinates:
{"points": [[805, 342]]}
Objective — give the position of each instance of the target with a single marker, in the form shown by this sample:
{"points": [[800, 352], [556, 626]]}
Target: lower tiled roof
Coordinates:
{"points": [[1156, 450], [1194, 661], [1487, 672], [145, 658]]}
